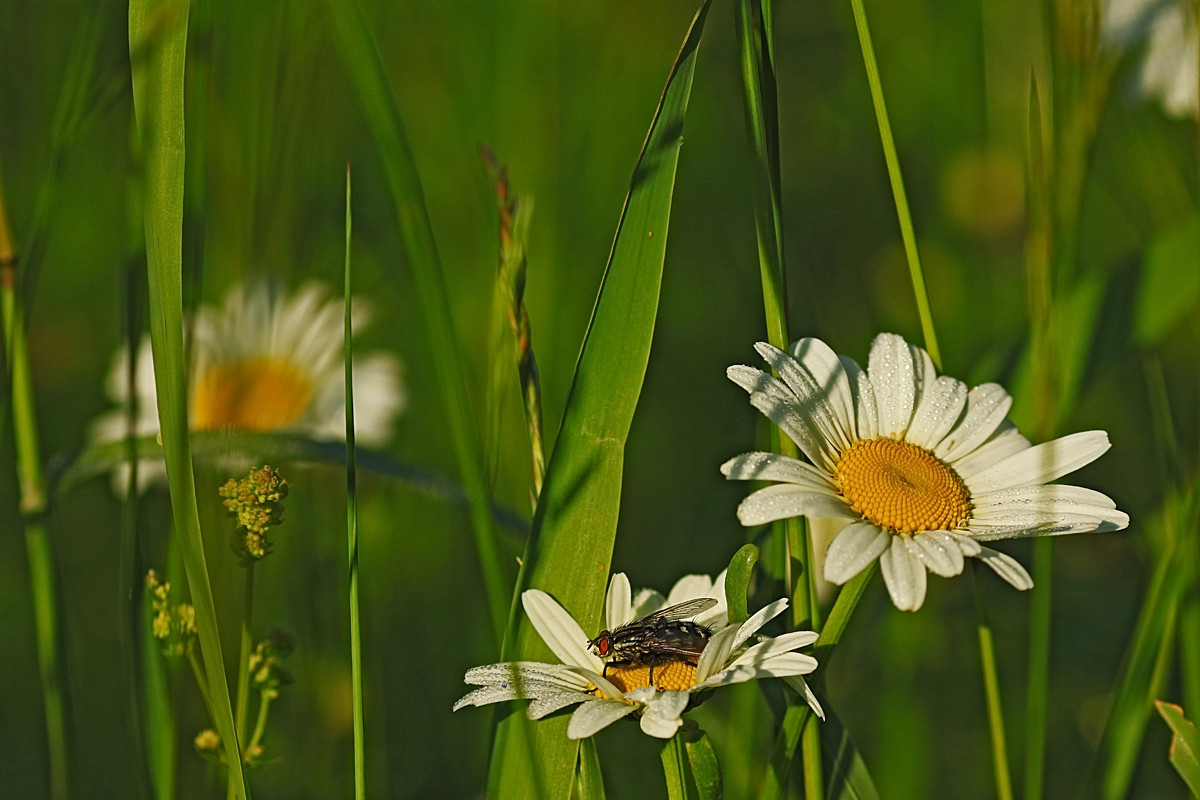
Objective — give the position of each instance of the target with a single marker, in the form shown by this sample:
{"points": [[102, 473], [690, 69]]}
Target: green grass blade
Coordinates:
{"points": [[848, 775], [916, 273], [39, 549], [591, 778], [576, 520], [387, 125], [706, 770], [158, 43], [356, 678], [1185, 744]]}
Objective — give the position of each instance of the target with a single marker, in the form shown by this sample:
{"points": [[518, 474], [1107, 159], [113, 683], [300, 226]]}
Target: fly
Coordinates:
{"points": [[667, 633]]}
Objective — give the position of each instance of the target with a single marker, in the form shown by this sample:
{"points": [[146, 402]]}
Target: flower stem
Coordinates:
{"points": [[675, 768], [796, 716], [38, 548], [242, 699], [991, 685]]}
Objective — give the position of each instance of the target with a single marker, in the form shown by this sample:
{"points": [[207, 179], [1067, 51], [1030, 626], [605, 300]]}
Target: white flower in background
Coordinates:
{"points": [[1171, 69], [262, 362], [734, 654], [923, 468]]}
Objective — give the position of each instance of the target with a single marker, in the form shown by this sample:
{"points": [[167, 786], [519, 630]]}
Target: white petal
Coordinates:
{"points": [[1006, 567], [1041, 463], [774, 467], [939, 409], [855, 546], [520, 680], [715, 653], [904, 575], [924, 371], [798, 683], [544, 706], [967, 544], [618, 603], [663, 714], [759, 618], [866, 412], [780, 666], [893, 377], [829, 420], [592, 717], [1039, 505], [559, 630], [824, 365], [1006, 441], [785, 500], [689, 587], [940, 552], [646, 601], [772, 646], [774, 399], [987, 405]]}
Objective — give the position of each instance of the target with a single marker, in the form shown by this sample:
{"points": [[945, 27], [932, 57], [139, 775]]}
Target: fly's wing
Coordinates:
{"points": [[684, 610]]}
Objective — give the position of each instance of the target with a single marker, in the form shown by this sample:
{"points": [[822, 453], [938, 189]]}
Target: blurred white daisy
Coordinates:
{"points": [[262, 362], [923, 468], [734, 654], [1171, 68]]}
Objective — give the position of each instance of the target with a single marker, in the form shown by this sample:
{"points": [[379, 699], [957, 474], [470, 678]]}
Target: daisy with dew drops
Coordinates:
{"points": [[734, 654], [263, 362], [924, 468]]}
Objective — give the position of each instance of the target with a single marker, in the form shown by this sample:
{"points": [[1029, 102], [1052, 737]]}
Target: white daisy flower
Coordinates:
{"points": [[262, 362], [1171, 68], [923, 467], [606, 693]]}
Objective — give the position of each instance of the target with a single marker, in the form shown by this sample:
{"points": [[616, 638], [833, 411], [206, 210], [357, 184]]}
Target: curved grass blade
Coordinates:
{"points": [[576, 521], [1185, 744], [387, 126], [157, 46]]}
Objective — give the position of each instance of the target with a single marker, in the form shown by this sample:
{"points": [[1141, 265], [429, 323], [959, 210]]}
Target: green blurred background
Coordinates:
{"points": [[564, 93]]}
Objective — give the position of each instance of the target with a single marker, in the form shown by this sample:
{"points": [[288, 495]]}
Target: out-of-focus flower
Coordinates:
{"points": [[923, 467], [262, 362], [1171, 67]]}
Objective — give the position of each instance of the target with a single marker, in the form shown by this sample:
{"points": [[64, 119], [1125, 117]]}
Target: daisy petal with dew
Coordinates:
{"points": [[603, 693], [924, 467], [262, 362]]}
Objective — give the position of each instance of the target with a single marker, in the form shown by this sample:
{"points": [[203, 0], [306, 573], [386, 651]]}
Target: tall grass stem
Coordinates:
{"points": [[39, 550], [916, 273], [157, 47], [356, 666]]}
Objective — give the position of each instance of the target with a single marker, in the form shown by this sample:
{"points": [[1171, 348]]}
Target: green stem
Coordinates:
{"points": [[794, 718], [260, 724], [893, 167], [38, 548], [356, 678], [201, 682], [675, 767], [243, 666], [1038, 679], [991, 685]]}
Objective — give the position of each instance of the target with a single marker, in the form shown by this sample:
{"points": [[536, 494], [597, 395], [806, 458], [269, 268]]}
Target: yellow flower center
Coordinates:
{"points": [[675, 676], [260, 394], [901, 487]]}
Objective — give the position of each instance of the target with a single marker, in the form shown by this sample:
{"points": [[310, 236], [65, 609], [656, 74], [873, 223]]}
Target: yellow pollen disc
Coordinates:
{"points": [[901, 487], [675, 676], [260, 394]]}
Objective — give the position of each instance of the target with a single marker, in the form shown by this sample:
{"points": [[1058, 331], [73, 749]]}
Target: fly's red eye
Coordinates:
{"points": [[602, 644]]}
